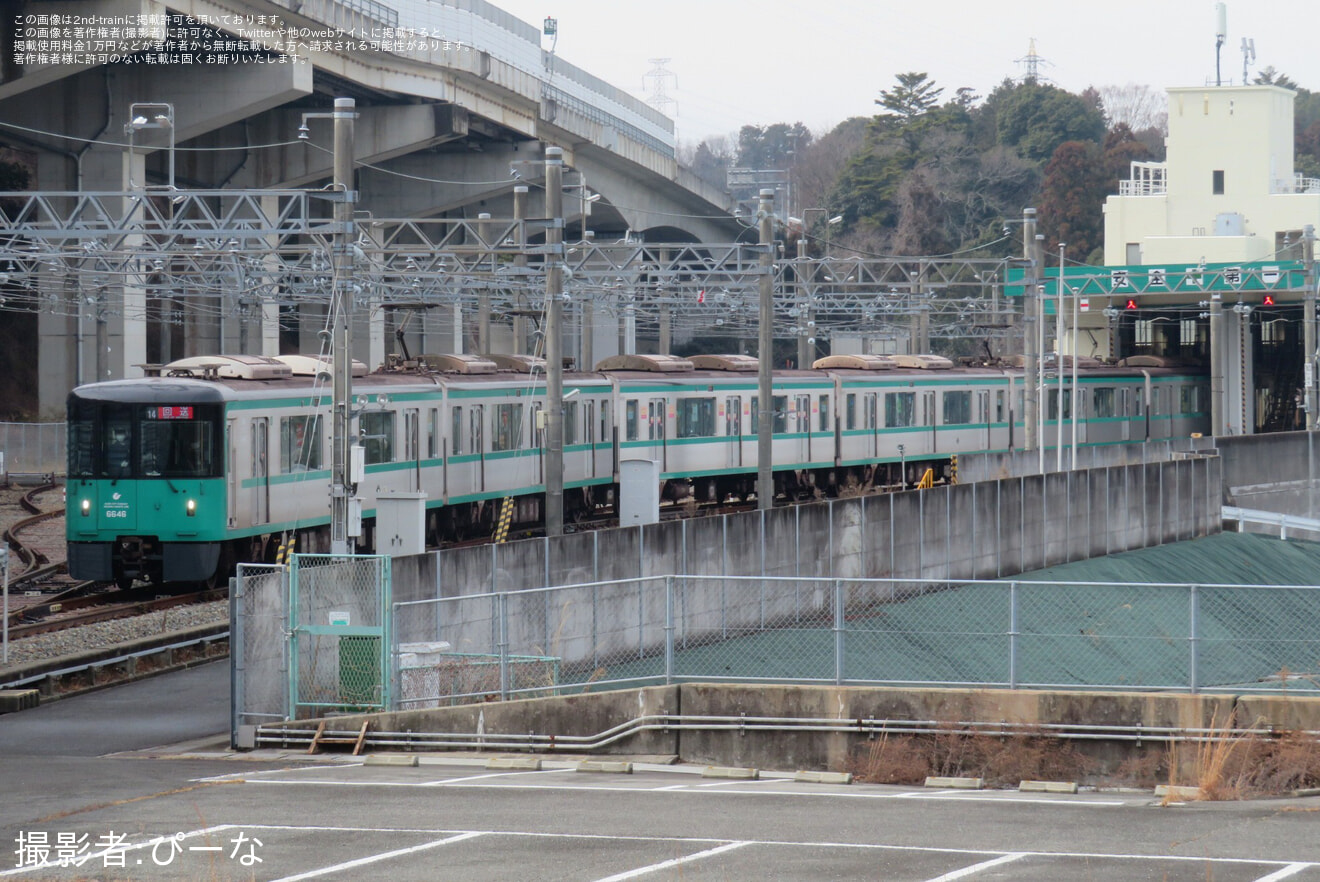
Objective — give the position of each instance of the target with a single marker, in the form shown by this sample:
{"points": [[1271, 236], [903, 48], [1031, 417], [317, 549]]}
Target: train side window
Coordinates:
{"points": [[850, 411], [589, 421], [508, 427], [1103, 402], [696, 417], [570, 423], [754, 425], [300, 444], [1139, 402], [376, 429], [872, 411], [900, 409], [1000, 416], [604, 421], [477, 429], [824, 405], [411, 440], [957, 408], [779, 414], [432, 433], [456, 431], [630, 418], [1188, 399]]}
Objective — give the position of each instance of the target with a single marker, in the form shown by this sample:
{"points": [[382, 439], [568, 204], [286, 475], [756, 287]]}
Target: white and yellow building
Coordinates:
{"points": [[1227, 191]]}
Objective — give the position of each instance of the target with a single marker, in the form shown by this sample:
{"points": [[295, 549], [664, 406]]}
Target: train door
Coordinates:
{"points": [[589, 434], [733, 430], [477, 440], [929, 417], [871, 411], [802, 411], [983, 415], [232, 470], [412, 447], [655, 425], [260, 486], [1124, 398], [539, 435]]}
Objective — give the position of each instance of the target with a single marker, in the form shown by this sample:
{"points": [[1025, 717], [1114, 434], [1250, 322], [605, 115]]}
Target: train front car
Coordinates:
{"points": [[146, 486]]}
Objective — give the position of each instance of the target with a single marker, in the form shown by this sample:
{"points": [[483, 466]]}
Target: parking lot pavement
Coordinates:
{"points": [[270, 816]]}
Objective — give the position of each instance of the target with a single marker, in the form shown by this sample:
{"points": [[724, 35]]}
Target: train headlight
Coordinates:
{"points": [[86, 507], [192, 507]]}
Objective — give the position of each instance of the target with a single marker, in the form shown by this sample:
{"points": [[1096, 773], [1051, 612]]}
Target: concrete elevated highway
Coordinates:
{"points": [[452, 98]]}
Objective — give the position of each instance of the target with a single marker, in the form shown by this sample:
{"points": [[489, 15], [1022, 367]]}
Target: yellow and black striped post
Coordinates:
{"points": [[953, 469], [285, 549], [506, 516]]}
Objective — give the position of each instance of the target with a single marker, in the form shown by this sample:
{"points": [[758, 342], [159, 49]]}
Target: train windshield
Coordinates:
{"points": [[113, 440]]}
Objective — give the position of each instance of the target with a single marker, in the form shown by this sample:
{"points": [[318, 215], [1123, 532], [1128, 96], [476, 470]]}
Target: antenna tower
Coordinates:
{"points": [[655, 82]]}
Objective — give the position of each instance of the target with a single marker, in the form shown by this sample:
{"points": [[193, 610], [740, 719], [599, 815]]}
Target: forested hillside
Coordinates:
{"points": [[934, 173]]}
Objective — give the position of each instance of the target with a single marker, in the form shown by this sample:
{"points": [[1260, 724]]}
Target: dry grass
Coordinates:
{"points": [[1006, 760], [1227, 764]]}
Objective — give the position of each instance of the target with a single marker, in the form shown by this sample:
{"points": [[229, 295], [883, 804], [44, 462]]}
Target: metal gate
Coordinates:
{"points": [[339, 642], [259, 625]]}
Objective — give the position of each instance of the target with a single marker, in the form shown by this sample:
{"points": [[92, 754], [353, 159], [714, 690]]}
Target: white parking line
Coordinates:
{"points": [[719, 788], [976, 868], [384, 856], [448, 781], [676, 862], [1290, 870]]}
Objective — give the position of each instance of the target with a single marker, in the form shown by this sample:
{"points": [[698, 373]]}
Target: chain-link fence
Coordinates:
{"points": [[259, 626], [30, 448], [340, 634], [866, 631]]}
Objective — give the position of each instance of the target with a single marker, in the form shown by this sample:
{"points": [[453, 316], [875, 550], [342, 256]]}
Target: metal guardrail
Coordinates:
{"points": [[1284, 522]]}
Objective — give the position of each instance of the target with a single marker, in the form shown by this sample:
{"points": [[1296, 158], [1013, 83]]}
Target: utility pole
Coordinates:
{"points": [[804, 296], [520, 263], [1216, 364], [765, 357], [1308, 259], [341, 485], [1030, 384], [554, 361]]}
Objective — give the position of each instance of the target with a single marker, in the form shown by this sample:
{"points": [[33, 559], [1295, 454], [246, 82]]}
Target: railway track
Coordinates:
{"points": [[37, 540]]}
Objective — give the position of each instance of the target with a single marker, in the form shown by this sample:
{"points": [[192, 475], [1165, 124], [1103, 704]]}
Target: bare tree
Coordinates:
{"points": [[1140, 107]]}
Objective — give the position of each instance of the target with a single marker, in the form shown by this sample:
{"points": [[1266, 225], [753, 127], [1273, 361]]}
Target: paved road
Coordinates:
{"points": [[450, 818]]}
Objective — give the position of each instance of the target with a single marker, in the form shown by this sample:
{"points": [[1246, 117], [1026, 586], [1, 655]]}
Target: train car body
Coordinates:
{"points": [[176, 478]]}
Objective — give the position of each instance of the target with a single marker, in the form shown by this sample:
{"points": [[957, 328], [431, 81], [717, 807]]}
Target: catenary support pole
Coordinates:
{"points": [[554, 344], [765, 480]]}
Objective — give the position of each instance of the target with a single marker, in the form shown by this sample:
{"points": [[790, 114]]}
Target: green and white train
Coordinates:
{"points": [[215, 461]]}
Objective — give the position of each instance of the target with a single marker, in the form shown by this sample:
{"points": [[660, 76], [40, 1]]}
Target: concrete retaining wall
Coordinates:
{"points": [[985, 530], [1276, 472], [592, 715]]}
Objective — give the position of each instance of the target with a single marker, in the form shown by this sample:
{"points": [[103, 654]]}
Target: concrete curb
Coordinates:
{"points": [[13, 700], [807, 777], [1048, 787], [1178, 792], [957, 783], [514, 763], [390, 760], [731, 772], [617, 768]]}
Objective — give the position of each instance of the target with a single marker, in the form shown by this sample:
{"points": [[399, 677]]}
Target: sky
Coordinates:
{"points": [[741, 62]]}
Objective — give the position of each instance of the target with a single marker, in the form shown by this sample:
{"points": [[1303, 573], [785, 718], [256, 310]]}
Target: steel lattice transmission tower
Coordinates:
{"points": [[656, 80]]}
